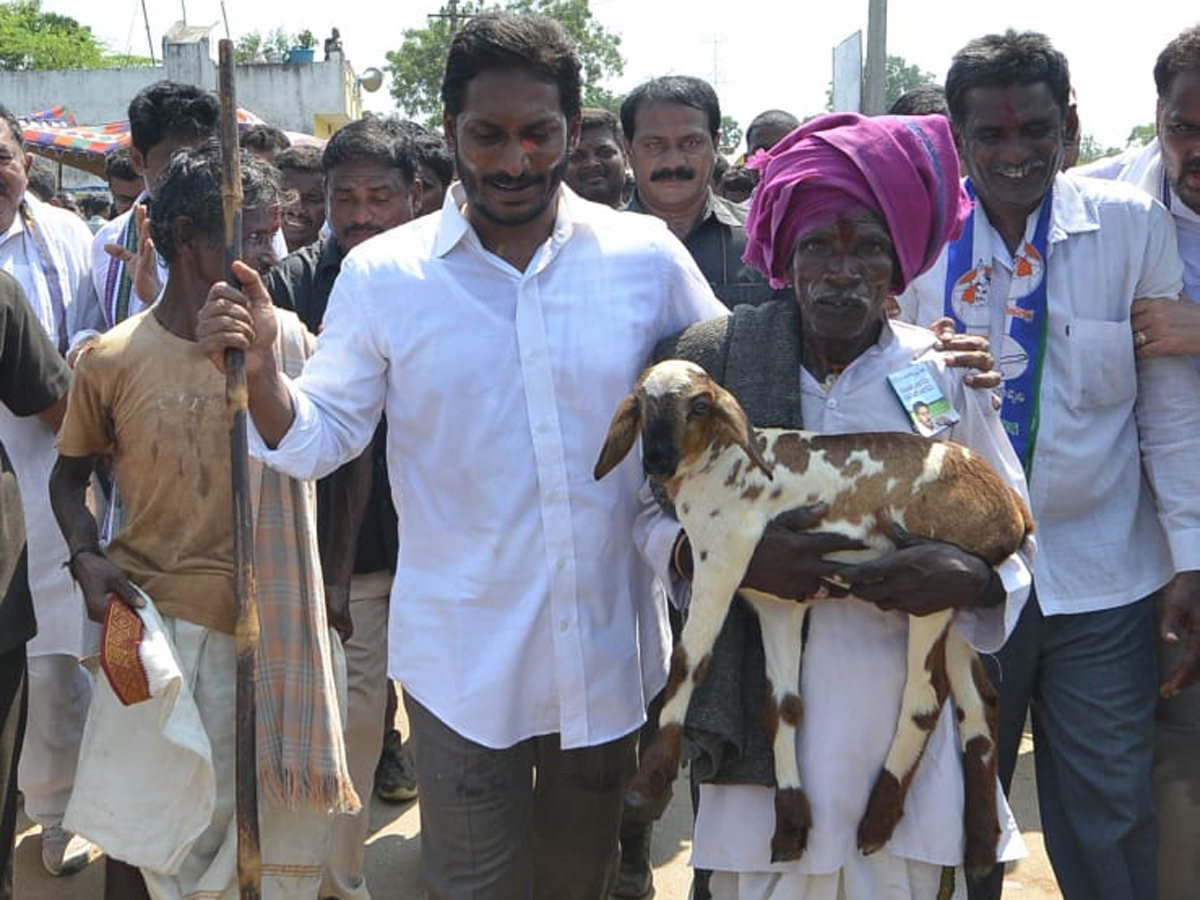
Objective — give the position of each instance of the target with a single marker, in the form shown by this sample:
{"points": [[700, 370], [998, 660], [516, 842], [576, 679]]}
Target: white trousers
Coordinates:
{"points": [[60, 692], [367, 685], [293, 844], [880, 876]]}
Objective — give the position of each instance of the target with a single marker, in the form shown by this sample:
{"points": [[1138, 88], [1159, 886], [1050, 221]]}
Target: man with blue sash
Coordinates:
{"points": [[1049, 268]]}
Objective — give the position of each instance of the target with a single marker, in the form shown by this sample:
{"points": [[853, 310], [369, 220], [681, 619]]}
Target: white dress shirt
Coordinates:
{"points": [[854, 665], [62, 624], [521, 606], [1115, 484]]}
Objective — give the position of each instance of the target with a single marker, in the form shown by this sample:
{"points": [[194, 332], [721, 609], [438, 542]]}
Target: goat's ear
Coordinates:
{"points": [[621, 434], [732, 421]]}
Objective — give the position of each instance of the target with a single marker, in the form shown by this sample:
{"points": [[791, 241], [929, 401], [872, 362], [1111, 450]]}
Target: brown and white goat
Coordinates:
{"points": [[727, 483]]}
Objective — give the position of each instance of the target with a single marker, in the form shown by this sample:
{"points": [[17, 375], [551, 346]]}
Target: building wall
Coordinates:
{"points": [[306, 97]]}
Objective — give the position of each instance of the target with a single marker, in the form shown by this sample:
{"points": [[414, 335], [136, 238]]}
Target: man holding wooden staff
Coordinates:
{"points": [[145, 395]]}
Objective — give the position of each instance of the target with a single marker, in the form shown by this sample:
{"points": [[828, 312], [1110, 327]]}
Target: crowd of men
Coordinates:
{"points": [[436, 329]]}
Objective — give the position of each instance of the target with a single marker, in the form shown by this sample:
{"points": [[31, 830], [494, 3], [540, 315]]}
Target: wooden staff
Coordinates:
{"points": [[249, 857]]}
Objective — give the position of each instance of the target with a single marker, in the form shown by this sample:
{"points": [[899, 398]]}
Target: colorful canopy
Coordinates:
{"points": [[53, 133]]}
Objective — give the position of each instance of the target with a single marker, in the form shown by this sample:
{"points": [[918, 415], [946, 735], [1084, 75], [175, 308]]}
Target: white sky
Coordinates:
{"points": [[759, 54]]}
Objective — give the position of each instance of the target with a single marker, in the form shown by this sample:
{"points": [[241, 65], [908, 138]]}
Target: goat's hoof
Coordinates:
{"points": [[884, 811], [979, 855], [793, 819]]}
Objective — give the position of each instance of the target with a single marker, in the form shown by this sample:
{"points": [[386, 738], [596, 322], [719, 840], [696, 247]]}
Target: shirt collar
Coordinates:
{"points": [[1072, 213], [454, 226], [714, 207], [724, 211], [330, 254]]}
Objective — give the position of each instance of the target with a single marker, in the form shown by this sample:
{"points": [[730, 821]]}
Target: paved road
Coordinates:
{"points": [[393, 854]]}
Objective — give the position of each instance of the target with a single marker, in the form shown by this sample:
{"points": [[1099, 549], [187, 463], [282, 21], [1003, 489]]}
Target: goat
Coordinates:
{"points": [[727, 482]]}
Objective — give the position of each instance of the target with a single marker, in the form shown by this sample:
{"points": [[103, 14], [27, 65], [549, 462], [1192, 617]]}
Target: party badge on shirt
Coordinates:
{"points": [[923, 401]]}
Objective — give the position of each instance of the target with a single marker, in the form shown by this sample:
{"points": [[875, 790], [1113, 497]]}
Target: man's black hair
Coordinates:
{"points": [[923, 100], [1179, 56], [170, 108], [118, 164], [595, 117], [686, 90], [190, 187], [371, 139], [503, 40], [299, 159], [1004, 60], [42, 180], [95, 204], [779, 119], [14, 125], [264, 138]]}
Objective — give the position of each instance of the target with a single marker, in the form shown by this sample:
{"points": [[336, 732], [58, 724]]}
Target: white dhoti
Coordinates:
{"points": [[880, 876], [185, 842]]}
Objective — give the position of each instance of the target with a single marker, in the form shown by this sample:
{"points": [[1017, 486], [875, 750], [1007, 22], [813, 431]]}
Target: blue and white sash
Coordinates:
{"points": [[1022, 349]]}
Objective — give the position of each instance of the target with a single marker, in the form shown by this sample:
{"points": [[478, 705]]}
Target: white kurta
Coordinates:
{"points": [[62, 623], [854, 667]]}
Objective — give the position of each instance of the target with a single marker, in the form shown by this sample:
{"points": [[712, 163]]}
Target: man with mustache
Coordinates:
{"points": [[1168, 168], [1109, 443], [498, 335], [671, 127], [371, 186]]}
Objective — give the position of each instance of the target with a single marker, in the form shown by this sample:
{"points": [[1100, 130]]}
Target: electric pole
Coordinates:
{"points": [[874, 87], [450, 13]]}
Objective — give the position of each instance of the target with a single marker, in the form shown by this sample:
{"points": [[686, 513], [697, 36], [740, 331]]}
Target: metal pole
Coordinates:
{"points": [[149, 36], [875, 88]]}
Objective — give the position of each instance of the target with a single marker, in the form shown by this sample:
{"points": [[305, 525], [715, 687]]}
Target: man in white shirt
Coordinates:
{"points": [[1048, 268], [46, 250], [499, 336], [1168, 168]]}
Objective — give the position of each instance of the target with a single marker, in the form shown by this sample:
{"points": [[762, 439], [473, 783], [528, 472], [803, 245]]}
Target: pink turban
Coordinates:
{"points": [[903, 169]]}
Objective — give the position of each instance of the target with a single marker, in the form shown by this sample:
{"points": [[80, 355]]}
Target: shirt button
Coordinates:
{"points": [[564, 625], [831, 403]]}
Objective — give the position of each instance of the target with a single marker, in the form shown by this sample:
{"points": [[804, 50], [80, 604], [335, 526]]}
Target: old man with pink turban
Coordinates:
{"points": [[847, 211]]}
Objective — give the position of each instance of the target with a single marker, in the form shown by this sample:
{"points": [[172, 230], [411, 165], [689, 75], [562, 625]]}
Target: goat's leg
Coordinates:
{"points": [[715, 580], [925, 690], [977, 716], [782, 634]]}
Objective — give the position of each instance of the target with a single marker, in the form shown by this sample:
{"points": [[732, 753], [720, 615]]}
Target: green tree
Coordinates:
{"points": [[1091, 150], [416, 68], [900, 77], [1141, 135], [33, 40], [730, 134], [258, 47]]}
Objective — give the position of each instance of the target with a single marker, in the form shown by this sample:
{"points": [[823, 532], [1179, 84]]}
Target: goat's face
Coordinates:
{"points": [[680, 414]]}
